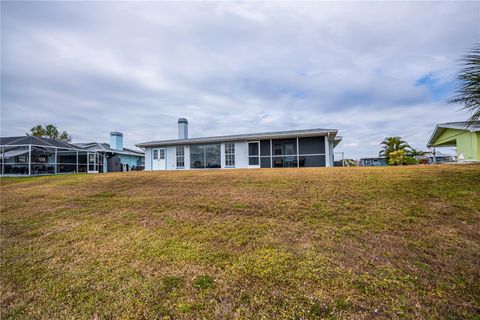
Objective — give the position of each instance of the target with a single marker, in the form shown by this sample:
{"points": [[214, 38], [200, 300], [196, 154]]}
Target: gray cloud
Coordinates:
{"points": [[95, 67]]}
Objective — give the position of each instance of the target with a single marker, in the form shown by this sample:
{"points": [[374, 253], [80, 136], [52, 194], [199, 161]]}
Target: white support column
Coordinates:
{"points": [[29, 159], [55, 163], [298, 155], [3, 160], [77, 163], [327, 152]]}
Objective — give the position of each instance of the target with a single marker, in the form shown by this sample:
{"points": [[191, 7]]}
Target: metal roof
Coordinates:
{"points": [[105, 147], [472, 126], [38, 141], [250, 136]]}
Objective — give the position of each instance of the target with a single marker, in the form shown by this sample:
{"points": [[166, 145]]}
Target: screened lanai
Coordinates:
{"points": [[30, 155]]}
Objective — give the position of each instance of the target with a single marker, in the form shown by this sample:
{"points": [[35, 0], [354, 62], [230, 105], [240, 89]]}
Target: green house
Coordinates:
{"points": [[464, 136]]}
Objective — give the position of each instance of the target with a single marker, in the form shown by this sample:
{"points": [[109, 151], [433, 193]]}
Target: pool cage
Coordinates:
{"points": [[40, 156]]}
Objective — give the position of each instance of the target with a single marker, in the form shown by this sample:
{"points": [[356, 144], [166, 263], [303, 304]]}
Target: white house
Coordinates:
{"points": [[296, 148]]}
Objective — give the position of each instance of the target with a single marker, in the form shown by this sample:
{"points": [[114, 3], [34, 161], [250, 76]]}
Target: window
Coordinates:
{"points": [[180, 156], [155, 154], [205, 156], [162, 154], [230, 154]]}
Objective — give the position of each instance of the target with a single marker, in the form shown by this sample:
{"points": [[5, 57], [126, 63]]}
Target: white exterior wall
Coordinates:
{"points": [[148, 159], [241, 154], [222, 155], [171, 153], [327, 153]]}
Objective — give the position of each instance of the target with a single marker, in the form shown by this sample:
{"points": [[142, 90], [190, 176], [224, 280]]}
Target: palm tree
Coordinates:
{"points": [[469, 92], [391, 144], [416, 152]]}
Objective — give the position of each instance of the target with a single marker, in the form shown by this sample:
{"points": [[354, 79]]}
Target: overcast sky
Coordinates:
{"points": [[368, 69]]}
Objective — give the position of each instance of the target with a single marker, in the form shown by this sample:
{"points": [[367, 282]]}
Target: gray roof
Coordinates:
{"points": [[38, 141], [105, 147], [472, 126], [251, 136]]}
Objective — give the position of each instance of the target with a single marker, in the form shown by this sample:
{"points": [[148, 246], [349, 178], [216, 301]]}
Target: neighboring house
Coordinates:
{"points": [[28, 155], [372, 162], [115, 156], [298, 148], [465, 136], [439, 157]]}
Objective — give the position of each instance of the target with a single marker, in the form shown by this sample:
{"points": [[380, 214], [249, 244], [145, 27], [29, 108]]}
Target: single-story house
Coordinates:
{"points": [[296, 148], [465, 136], [116, 157], [28, 155]]}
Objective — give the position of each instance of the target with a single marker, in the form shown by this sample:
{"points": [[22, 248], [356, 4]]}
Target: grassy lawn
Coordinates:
{"points": [[335, 243]]}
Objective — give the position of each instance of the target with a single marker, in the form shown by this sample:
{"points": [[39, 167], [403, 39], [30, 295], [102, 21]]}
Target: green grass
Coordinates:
{"points": [[333, 243]]}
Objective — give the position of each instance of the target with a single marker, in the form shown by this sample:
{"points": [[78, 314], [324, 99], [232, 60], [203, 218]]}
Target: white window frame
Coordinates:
{"points": [[230, 160], [178, 157]]}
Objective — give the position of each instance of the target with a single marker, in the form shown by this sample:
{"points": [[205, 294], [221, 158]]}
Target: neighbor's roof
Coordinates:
{"points": [[250, 136], [472, 126], [38, 141], [105, 147]]}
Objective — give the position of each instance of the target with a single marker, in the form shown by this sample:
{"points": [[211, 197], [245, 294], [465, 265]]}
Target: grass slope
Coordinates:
{"points": [[401, 242]]}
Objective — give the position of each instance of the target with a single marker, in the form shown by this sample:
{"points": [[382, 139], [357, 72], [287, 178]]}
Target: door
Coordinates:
{"points": [[92, 166], [159, 161], [254, 154]]}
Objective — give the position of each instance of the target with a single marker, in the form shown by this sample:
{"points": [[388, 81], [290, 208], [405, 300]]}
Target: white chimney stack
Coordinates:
{"points": [[182, 128], [116, 140]]}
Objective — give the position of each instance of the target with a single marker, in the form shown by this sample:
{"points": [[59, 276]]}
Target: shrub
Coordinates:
{"points": [[396, 157]]}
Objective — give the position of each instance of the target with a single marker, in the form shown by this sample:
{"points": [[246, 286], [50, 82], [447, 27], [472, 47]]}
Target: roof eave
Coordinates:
{"points": [[237, 138]]}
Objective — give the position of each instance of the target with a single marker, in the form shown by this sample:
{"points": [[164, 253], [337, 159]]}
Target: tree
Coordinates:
{"points": [[468, 93], [392, 144], [415, 152], [49, 131]]}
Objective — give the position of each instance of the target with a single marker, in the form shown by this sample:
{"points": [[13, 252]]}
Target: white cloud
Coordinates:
{"points": [[235, 67]]}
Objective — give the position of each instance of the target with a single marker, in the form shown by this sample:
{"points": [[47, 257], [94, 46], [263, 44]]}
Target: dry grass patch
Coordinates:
{"points": [[336, 243]]}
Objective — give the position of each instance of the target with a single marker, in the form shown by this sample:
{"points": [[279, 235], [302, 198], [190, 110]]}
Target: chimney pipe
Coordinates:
{"points": [[116, 140], [182, 128]]}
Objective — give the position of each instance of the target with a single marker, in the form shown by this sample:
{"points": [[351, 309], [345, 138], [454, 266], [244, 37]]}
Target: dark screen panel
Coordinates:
{"points": [[253, 148], [312, 161], [285, 162], [265, 147], [282, 147], [312, 145], [265, 162]]}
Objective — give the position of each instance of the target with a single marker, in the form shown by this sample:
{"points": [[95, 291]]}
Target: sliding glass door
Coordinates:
{"points": [[205, 156]]}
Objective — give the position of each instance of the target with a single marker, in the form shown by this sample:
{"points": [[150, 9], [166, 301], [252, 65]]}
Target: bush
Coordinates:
{"points": [[410, 160], [396, 157], [399, 158]]}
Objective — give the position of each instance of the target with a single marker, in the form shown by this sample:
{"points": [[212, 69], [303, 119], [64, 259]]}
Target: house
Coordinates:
{"points": [[372, 162], [438, 157], [296, 148], [115, 156], [465, 136], [28, 155]]}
